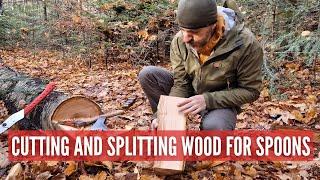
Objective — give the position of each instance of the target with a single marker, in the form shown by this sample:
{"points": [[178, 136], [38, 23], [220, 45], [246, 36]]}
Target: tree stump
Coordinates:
{"points": [[17, 90]]}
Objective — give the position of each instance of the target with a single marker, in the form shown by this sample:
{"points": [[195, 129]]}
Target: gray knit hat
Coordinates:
{"points": [[194, 14]]}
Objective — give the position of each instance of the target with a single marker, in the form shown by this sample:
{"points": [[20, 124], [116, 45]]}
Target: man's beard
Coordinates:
{"points": [[197, 45], [200, 45]]}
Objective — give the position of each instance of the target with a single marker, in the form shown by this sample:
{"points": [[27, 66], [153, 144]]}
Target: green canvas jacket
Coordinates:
{"points": [[229, 78]]}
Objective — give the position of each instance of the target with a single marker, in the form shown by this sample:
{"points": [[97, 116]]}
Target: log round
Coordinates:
{"points": [[17, 90]]}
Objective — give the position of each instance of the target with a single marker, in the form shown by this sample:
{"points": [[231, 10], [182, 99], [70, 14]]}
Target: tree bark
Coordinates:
{"points": [[45, 10], [17, 90], [1, 6]]}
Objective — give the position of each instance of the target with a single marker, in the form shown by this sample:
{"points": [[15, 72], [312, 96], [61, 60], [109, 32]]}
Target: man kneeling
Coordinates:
{"points": [[216, 65]]}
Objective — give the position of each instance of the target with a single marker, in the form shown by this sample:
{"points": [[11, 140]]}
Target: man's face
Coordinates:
{"points": [[197, 38]]}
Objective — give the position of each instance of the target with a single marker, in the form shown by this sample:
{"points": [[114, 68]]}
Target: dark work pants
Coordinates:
{"points": [[156, 81]]}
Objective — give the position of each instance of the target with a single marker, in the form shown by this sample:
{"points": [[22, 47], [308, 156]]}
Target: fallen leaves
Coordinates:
{"points": [[265, 93], [102, 175], [76, 19], [129, 102], [71, 168], [44, 176], [285, 111], [312, 99], [119, 86], [292, 66], [310, 114], [107, 164], [250, 171], [3, 111], [207, 164], [59, 176], [143, 34], [124, 176], [4, 161]]}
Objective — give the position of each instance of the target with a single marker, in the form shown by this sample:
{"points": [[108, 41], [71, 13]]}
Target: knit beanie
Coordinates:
{"points": [[194, 14]]}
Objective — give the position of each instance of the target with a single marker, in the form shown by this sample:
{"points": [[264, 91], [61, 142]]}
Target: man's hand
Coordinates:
{"points": [[154, 124], [193, 105]]}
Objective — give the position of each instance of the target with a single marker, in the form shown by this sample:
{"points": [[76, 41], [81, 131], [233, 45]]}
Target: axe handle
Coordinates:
{"points": [[87, 121], [39, 98]]}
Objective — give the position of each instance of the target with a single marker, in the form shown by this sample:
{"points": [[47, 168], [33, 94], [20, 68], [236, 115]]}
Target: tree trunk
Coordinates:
{"points": [[45, 10], [1, 11], [17, 90]]}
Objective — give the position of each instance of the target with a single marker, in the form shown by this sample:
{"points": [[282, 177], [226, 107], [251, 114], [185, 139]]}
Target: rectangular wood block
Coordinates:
{"points": [[169, 118]]}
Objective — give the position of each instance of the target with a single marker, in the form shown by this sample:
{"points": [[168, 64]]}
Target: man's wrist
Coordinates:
{"points": [[208, 100]]}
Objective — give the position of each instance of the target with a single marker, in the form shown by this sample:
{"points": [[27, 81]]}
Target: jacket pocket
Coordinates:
{"points": [[218, 70], [221, 76]]}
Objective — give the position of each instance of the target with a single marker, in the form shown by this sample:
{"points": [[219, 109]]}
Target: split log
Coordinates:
{"points": [[170, 119], [17, 90]]}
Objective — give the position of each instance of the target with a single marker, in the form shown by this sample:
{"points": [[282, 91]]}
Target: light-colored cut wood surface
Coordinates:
{"points": [[170, 118]]}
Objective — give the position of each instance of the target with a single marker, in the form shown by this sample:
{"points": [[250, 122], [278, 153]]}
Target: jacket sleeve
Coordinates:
{"points": [[249, 80], [182, 86]]}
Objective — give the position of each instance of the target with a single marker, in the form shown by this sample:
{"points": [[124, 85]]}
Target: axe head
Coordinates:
{"points": [[99, 124]]}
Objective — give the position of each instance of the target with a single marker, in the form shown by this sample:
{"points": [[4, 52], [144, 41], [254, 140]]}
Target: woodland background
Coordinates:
{"points": [[96, 48]]}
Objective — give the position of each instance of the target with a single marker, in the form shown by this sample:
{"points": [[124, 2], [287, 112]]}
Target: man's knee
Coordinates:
{"points": [[146, 73], [219, 119], [215, 124]]}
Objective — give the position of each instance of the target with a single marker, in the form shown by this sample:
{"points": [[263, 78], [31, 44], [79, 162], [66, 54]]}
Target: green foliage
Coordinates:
{"points": [[135, 11], [5, 28], [281, 22], [279, 26], [68, 28], [128, 24], [10, 29], [293, 45]]}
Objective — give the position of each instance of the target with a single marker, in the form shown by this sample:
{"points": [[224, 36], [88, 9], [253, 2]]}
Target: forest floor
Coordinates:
{"points": [[112, 86]]}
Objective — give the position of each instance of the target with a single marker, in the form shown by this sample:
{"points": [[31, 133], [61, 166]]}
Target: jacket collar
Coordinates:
{"points": [[227, 43]]}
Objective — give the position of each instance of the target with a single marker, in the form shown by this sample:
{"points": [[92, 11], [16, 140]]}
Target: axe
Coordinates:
{"points": [[16, 117]]}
